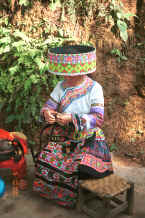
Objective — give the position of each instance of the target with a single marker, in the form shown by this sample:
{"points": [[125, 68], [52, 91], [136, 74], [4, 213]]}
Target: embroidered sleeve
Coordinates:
{"points": [[49, 105], [95, 117], [57, 92], [53, 101]]}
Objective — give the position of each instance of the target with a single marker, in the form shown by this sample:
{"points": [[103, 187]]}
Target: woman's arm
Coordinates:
{"points": [[50, 108], [50, 105], [48, 111], [89, 121]]}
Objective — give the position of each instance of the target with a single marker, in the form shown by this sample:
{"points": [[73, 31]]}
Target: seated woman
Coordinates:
{"points": [[77, 105]]}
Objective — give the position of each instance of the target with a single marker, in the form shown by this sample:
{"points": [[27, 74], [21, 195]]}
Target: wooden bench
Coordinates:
{"points": [[109, 190]]}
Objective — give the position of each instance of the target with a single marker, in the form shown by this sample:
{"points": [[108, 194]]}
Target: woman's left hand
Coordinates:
{"points": [[63, 118]]}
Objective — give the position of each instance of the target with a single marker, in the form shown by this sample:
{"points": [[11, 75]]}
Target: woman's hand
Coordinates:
{"points": [[49, 116], [63, 118]]}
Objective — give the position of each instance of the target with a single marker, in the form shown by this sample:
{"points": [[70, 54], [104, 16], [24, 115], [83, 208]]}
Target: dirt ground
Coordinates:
{"points": [[29, 204]]}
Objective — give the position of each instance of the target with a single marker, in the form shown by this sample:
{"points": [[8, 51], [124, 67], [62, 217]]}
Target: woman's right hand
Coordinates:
{"points": [[49, 116]]}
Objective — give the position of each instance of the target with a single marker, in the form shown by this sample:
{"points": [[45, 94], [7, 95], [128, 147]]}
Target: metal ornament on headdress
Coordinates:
{"points": [[72, 60]]}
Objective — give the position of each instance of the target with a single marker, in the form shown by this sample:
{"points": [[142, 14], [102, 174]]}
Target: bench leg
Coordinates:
{"points": [[130, 199], [80, 200], [106, 202]]}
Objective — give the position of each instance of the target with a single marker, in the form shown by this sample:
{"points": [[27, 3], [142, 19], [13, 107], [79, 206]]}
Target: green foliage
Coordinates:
{"points": [[23, 74], [24, 2], [120, 18], [70, 6], [113, 147], [11, 3], [115, 13], [54, 4], [140, 45], [118, 54]]}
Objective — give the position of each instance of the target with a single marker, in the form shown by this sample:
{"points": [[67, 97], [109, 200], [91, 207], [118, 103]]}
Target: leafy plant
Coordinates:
{"points": [[20, 2], [118, 54], [54, 4], [140, 45], [23, 75], [115, 13], [70, 7], [24, 2], [113, 147]]}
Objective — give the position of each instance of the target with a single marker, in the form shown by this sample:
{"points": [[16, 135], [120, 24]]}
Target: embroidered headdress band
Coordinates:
{"points": [[72, 60]]}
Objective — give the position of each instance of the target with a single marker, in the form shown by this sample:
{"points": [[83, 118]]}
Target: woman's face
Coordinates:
{"points": [[70, 79], [73, 78], [67, 78]]}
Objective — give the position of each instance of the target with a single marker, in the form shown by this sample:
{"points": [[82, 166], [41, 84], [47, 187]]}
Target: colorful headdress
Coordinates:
{"points": [[72, 60]]}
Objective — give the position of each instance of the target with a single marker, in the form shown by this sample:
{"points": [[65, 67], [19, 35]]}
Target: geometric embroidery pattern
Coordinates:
{"points": [[73, 94], [71, 69], [72, 64]]}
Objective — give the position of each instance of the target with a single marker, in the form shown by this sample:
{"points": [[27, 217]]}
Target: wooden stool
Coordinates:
{"points": [[107, 189]]}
